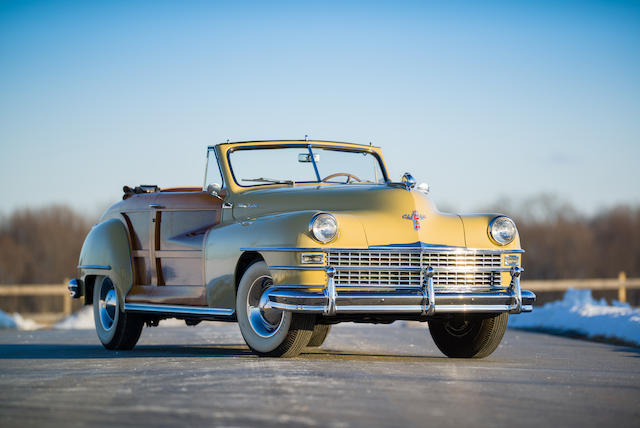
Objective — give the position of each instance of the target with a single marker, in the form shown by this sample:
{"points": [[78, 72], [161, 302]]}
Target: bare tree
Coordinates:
{"points": [[41, 246]]}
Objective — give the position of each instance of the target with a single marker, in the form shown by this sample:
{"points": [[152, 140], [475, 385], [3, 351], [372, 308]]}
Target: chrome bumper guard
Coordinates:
{"points": [[424, 301]]}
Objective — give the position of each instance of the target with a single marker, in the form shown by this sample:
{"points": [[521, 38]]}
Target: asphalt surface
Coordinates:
{"points": [[364, 375]]}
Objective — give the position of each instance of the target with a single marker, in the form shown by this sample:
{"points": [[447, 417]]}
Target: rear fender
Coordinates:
{"points": [[106, 251]]}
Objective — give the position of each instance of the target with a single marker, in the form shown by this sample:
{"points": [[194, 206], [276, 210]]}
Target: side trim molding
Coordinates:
{"points": [[103, 267], [177, 310]]}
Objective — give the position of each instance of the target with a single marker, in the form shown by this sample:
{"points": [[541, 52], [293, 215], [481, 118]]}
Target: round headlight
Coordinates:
{"points": [[323, 227], [502, 230]]}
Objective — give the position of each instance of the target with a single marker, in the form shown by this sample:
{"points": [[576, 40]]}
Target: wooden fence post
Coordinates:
{"points": [[66, 301], [622, 289]]}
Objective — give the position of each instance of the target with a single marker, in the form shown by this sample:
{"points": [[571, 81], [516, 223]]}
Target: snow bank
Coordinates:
{"points": [[16, 321], [579, 313], [81, 320]]}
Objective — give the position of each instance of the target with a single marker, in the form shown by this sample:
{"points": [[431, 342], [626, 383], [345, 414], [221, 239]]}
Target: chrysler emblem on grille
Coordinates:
{"points": [[416, 217]]}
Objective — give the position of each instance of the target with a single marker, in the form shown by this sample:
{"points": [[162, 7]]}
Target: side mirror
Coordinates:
{"points": [[423, 187], [214, 189]]}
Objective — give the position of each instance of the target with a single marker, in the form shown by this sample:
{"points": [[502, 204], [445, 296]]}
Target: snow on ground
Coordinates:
{"points": [[80, 320], [16, 321], [579, 313]]}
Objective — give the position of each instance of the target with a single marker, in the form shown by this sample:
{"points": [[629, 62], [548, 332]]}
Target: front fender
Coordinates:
{"points": [[476, 232], [106, 251], [225, 244]]}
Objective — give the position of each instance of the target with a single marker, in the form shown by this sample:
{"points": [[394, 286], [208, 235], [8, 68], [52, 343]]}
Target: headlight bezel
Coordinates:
{"points": [[314, 221], [492, 235]]}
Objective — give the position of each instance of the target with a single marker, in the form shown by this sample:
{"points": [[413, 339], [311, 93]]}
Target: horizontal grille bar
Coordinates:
{"points": [[375, 269]]}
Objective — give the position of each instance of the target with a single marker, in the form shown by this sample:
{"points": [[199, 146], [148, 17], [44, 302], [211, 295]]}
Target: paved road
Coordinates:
{"points": [[362, 376]]}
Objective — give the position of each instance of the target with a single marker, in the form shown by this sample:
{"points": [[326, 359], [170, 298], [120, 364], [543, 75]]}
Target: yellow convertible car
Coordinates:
{"points": [[287, 238]]}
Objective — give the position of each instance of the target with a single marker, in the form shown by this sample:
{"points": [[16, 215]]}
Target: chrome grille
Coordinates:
{"points": [[373, 275]]}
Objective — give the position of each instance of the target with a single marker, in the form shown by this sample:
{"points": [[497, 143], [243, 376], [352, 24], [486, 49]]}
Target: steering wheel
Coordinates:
{"points": [[346, 174]]}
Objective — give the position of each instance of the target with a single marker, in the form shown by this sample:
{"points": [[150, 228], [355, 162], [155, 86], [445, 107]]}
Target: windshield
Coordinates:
{"points": [[290, 165]]}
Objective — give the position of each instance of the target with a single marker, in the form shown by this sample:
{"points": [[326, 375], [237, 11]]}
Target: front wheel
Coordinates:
{"points": [[468, 337], [268, 332], [319, 335], [116, 329]]}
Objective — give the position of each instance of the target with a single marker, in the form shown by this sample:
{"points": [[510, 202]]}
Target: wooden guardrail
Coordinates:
{"points": [[622, 283], [52, 290]]}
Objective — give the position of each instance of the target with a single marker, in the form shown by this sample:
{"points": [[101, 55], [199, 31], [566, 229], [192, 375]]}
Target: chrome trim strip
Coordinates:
{"points": [[103, 267], [461, 250], [297, 267], [414, 296], [181, 310], [373, 309], [457, 269], [297, 286]]}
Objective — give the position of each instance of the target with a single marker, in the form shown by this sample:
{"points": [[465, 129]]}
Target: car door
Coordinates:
{"points": [[170, 267]]}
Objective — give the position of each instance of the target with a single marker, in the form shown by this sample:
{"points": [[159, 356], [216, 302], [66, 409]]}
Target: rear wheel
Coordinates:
{"points": [[468, 337], [116, 329], [320, 332], [269, 332]]}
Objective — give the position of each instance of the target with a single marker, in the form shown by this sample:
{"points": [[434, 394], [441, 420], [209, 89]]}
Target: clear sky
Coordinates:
{"points": [[482, 100]]}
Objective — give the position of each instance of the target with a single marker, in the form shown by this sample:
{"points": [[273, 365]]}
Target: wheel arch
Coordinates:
{"points": [[106, 252], [246, 259]]}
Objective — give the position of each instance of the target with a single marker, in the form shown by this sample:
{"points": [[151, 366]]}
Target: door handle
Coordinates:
{"points": [[156, 206]]}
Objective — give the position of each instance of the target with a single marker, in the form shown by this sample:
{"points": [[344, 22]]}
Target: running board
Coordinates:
{"points": [[200, 312]]}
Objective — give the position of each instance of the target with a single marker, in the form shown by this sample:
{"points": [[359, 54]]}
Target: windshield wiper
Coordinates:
{"points": [[270, 180]]}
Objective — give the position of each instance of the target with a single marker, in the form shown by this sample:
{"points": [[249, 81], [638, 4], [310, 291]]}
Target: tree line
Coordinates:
{"points": [[43, 245]]}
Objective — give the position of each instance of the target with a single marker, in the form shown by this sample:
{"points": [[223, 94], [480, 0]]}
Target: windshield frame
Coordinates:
{"points": [[309, 146]]}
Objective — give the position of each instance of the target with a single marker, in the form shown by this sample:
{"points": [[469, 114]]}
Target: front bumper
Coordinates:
{"points": [[389, 303], [424, 301]]}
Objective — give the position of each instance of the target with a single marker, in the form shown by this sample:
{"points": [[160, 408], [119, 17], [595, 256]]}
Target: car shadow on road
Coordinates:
{"points": [[69, 351], [329, 354], [65, 351]]}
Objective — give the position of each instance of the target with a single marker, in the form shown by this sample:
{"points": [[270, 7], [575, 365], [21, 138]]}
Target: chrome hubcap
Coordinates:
{"points": [[108, 304], [264, 322]]}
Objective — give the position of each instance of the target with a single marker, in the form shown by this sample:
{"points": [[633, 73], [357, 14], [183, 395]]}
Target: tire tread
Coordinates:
{"points": [[481, 342]]}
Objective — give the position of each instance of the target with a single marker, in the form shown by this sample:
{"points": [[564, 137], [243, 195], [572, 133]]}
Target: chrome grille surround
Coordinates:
{"points": [[455, 270]]}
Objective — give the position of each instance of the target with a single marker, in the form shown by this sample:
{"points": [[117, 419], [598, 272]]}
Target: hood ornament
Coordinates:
{"points": [[415, 217]]}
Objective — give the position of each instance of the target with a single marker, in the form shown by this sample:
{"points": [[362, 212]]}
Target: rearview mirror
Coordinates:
{"points": [[306, 157]]}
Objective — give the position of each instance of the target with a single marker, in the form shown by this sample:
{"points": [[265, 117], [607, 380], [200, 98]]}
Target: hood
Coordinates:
{"points": [[389, 215]]}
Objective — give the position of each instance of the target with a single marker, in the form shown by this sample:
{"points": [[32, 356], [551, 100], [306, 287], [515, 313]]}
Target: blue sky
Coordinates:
{"points": [[482, 100]]}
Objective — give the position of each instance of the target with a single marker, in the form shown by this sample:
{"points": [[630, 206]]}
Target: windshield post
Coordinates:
{"points": [[315, 167], [206, 170]]}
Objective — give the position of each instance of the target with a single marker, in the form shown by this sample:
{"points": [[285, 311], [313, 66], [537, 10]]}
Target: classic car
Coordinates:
{"points": [[287, 238]]}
